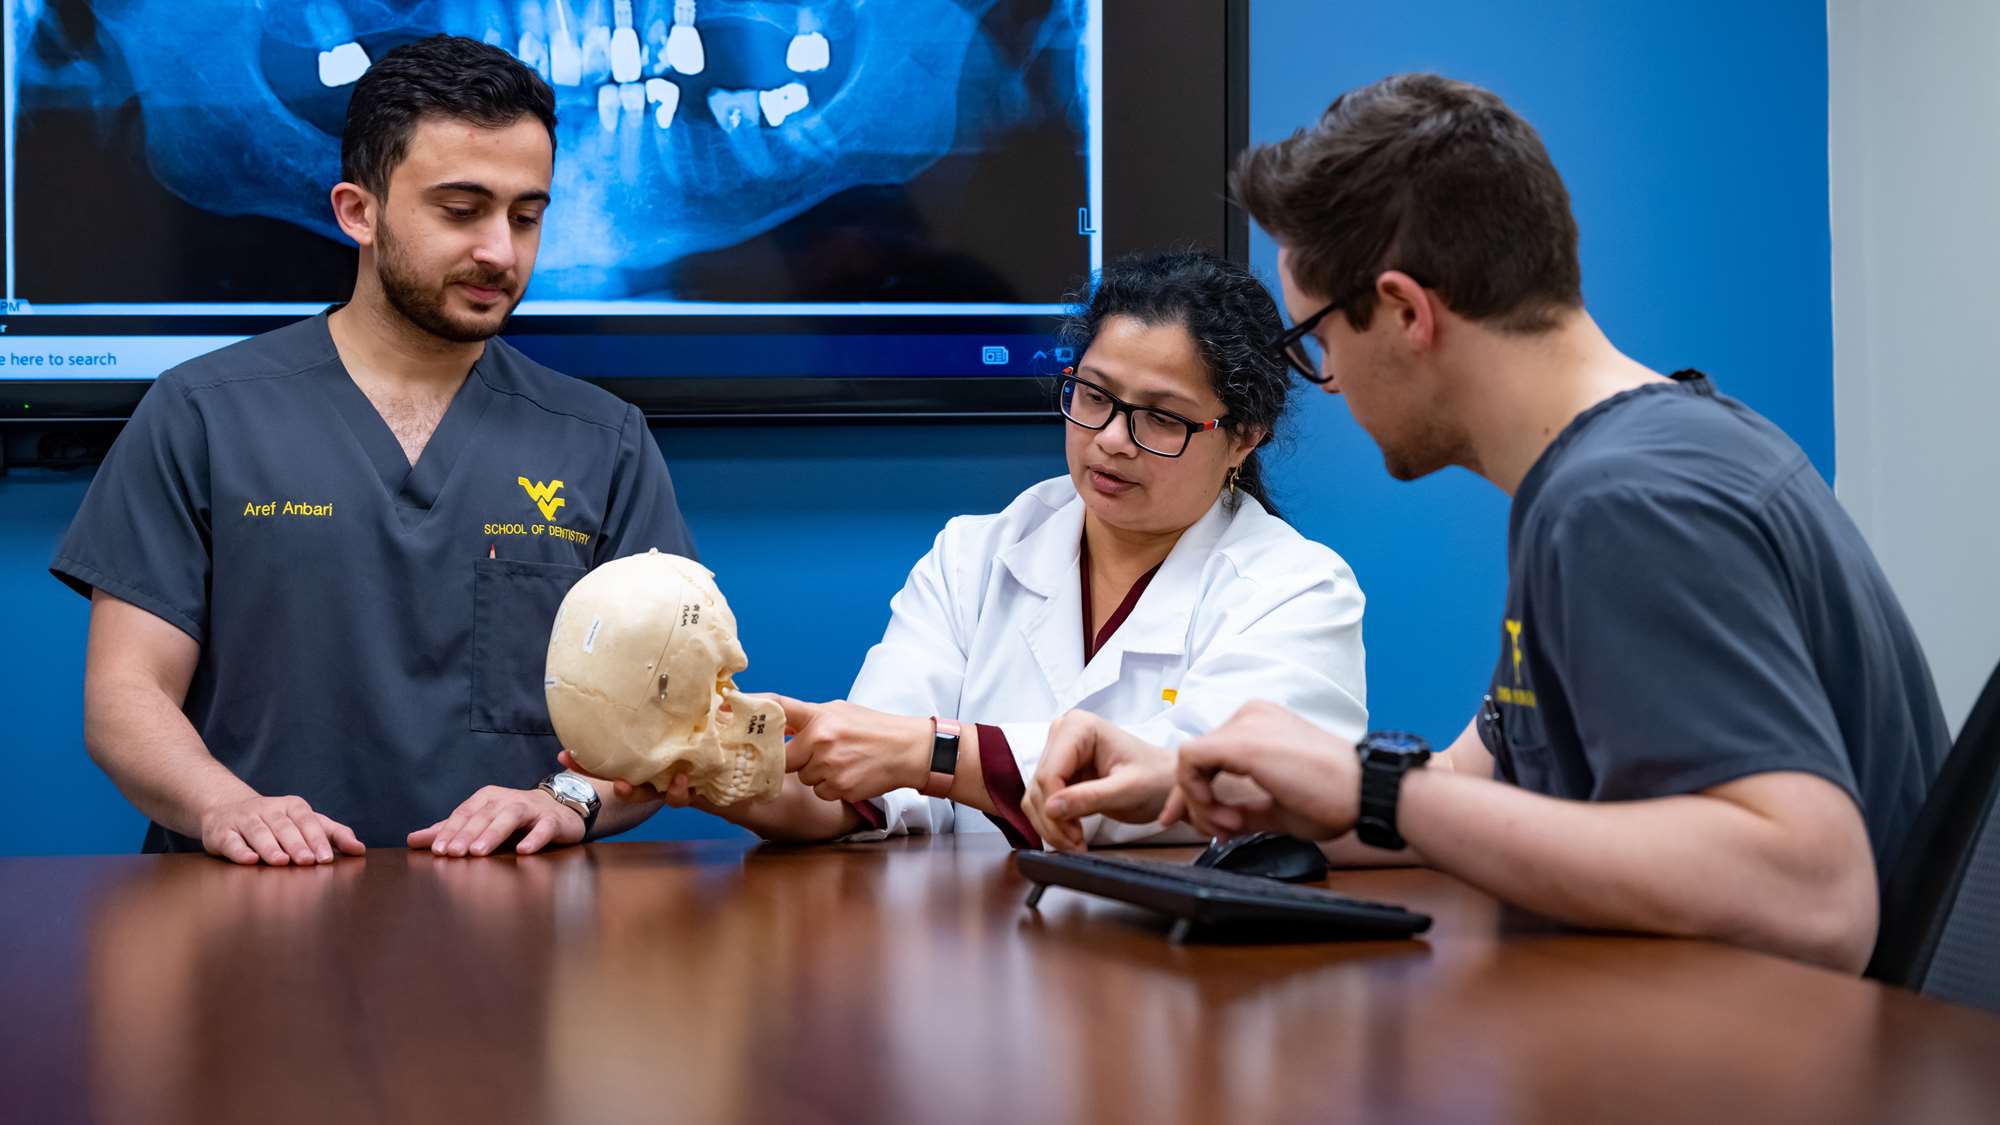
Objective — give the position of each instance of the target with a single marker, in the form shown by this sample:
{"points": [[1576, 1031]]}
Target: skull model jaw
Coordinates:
{"points": [[641, 683]]}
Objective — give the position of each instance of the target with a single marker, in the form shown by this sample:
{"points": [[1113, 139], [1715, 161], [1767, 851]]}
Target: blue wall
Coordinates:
{"points": [[1693, 138]]}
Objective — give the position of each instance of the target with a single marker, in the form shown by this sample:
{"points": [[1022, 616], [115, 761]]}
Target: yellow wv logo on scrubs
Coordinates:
{"points": [[1514, 635], [544, 495]]}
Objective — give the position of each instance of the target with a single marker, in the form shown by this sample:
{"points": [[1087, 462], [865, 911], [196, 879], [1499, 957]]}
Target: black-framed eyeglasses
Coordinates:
{"points": [[1301, 350], [1162, 433]]}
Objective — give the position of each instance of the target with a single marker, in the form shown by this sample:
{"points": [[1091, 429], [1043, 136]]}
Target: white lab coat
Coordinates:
{"points": [[989, 629]]}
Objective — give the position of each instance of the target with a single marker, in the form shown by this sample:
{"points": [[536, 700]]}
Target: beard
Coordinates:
{"points": [[1424, 448], [1418, 438], [1407, 464], [423, 304]]}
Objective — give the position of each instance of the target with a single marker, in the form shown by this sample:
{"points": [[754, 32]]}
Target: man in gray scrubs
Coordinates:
{"points": [[323, 562], [1708, 714]]}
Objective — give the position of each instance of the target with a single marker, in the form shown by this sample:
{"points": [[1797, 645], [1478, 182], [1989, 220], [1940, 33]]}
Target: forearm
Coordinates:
{"points": [[615, 814], [1466, 754], [145, 744], [798, 815], [968, 784], [795, 816], [1695, 866], [1349, 851]]}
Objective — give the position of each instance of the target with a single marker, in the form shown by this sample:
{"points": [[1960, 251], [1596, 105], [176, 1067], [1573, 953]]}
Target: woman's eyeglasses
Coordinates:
{"points": [[1162, 433]]}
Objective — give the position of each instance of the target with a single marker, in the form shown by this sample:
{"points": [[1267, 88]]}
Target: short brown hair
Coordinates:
{"points": [[1430, 176]]}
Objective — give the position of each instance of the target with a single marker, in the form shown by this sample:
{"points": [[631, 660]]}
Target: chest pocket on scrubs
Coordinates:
{"points": [[513, 609], [1522, 750]]}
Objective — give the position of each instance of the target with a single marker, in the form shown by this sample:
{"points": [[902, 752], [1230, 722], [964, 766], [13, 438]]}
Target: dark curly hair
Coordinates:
{"points": [[442, 76], [1230, 315]]}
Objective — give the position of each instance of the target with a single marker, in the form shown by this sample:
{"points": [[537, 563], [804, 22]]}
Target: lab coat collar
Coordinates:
{"points": [[1045, 563], [1046, 557], [1159, 623]]}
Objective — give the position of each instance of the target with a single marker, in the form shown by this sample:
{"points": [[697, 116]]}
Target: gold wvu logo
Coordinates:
{"points": [[1517, 695], [544, 495]]}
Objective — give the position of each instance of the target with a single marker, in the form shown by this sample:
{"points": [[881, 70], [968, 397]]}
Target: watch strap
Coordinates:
{"points": [[1382, 772], [944, 757]]}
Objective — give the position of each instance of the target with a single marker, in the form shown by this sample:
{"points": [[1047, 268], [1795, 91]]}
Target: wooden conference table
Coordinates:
{"points": [[898, 982]]}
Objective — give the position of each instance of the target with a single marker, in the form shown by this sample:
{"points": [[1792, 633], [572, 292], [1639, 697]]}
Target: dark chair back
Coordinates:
{"points": [[1940, 930]]}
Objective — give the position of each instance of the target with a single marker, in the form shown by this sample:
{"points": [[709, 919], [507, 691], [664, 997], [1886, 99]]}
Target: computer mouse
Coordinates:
{"points": [[1287, 859]]}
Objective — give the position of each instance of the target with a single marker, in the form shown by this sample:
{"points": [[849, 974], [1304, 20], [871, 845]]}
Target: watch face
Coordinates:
{"points": [[1395, 742], [572, 787]]}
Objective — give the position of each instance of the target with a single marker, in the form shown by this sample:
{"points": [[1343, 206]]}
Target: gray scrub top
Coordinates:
{"points": [[1687, 604], [372, 633]]}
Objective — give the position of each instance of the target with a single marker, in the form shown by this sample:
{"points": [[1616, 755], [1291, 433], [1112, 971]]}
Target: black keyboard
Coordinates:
{"points": [[1205, 897]]}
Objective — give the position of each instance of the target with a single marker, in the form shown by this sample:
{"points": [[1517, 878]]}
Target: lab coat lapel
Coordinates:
{"points": [[1159, 622], [1044, 563]]}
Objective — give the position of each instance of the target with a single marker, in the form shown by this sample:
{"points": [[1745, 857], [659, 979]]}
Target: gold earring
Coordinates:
{"points": [[1234, 472]]}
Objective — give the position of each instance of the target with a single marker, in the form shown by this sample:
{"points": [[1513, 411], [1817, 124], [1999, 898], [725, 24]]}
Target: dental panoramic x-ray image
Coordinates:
{"points": [[707, 150]]}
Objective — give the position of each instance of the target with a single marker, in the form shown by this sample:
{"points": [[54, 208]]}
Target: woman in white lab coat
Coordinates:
{"points": [[1151, 586]]}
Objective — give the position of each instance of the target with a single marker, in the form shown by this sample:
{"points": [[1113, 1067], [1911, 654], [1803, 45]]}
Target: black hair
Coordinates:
{"points": [[442, 76], [1230, 315]]}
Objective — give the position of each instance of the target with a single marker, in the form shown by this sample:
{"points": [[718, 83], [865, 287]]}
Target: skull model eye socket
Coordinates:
{"points": [[642, 662]]}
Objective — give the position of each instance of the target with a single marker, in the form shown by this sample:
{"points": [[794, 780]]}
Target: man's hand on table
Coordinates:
{"points": [[492, 816], [280, 831]]}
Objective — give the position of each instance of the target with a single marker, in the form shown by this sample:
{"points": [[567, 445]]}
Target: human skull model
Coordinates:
{"points": [[642, 662]]}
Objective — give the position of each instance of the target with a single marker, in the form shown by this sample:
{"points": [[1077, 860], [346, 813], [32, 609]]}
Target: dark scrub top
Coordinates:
{"points": [[372, 634], [1688, 604]]}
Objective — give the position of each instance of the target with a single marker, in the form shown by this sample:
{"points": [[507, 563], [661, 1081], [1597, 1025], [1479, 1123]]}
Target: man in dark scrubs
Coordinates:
{"points": [[323, 562]]}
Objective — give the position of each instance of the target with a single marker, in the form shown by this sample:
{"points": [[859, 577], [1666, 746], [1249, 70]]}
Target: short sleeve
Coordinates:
{"points": [[642, 512], [1671, 627], [144, 534]]}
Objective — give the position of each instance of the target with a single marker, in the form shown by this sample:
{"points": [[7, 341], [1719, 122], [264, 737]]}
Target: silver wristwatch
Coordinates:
{"points": [[573, 791]]}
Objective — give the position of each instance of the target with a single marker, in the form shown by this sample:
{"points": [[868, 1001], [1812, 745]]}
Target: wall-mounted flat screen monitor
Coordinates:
{"points": [[762, 209]]}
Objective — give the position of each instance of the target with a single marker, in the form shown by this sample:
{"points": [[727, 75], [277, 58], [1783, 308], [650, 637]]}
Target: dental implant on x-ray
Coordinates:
{"points": [[628, 58], [809, 52], [341, 59], [684, 50]]}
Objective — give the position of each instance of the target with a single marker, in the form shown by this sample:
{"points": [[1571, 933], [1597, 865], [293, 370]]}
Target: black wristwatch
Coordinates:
{"points": [[944, 758], [1386, 755]]}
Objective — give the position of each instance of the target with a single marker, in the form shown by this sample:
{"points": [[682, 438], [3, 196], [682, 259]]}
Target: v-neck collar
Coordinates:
{"points": [[1093, 645], [413, 489]]}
